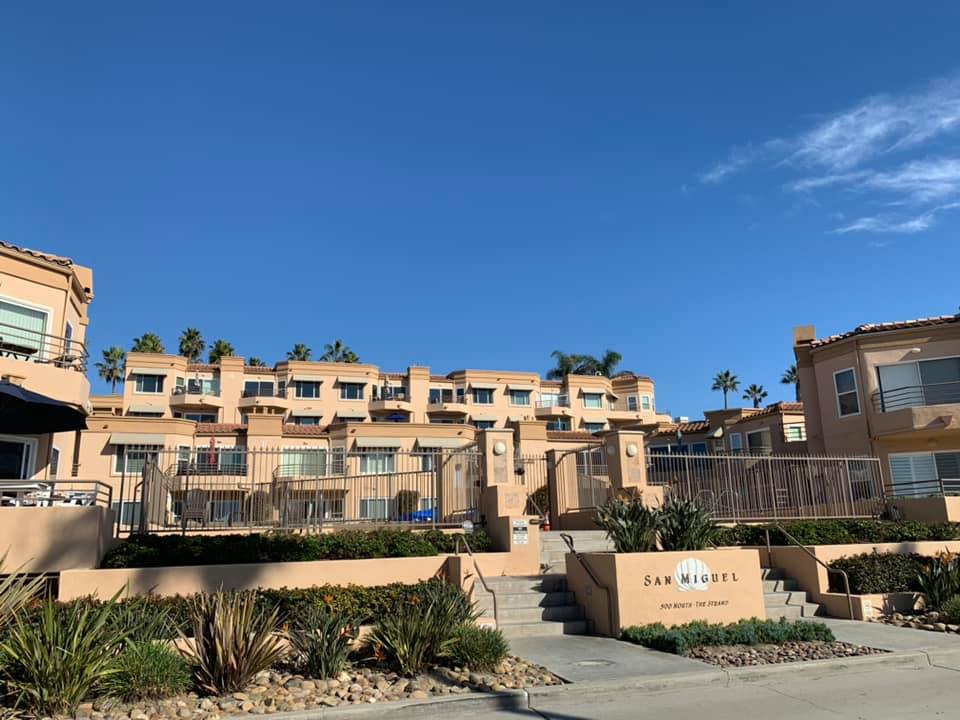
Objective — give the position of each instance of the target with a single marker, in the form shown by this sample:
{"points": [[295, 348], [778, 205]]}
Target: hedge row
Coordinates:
{"points": [[840, 532], [142, 613], [172, 550], [680, 639], [879, 573]]}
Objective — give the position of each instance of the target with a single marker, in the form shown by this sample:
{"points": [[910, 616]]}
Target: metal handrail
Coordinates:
{"points": [[821, 563], [579, 558], [52, 492], [923, 395], [483, 580]]}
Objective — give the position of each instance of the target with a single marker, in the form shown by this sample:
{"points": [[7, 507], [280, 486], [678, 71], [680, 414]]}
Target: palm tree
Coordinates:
{"points": [[607, 364], [220, 349], [339, 351], [192, 344], [256, 362], [725, 382], [792, 377], [113, 367], [299, 352], [148, 343], [756, 393], [566, 365]]}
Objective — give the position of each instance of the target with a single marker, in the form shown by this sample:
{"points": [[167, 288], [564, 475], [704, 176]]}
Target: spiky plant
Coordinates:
{"points": [[631, 526], [321, 641], [686, 525], [17, 590], [232, 641], [146, 670]]}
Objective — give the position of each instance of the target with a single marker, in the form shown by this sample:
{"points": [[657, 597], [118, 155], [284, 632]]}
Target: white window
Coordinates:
{"points": [[148, 384], [632, 403], [135, 457], [54, 462], [22, 330], [646, 403], [482, 396], [257, 388], [795, 433], [736, 442], [593, 401], [559, 425], [377, 461], [306, 389], [375, 508], [351, 391], [549, 400], [68, 338], [925, 382], [520, 397], [17, 457], [128, 512], [594, 426], [927, 473], [440, 395], [848, 402], [428, 458], [306, 420], [759, 443], [304, 462]]}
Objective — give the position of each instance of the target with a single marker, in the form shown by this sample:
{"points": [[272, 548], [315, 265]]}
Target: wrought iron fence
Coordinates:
{"points": [[224, 488], [772, 487], [531, 472]]}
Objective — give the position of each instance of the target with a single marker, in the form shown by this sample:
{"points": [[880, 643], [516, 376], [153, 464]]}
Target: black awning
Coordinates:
{"points": [[24, 412]]}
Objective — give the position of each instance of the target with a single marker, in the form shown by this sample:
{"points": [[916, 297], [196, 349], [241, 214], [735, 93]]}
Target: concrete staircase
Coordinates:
{"points": [[533, 605], [784, 598], [553, 550]]}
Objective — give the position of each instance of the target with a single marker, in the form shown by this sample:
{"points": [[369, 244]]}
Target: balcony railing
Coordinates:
{"points": [[38, 347], [392, 393], [197, 390], [263, 392], [945, 393], [548, 401]]}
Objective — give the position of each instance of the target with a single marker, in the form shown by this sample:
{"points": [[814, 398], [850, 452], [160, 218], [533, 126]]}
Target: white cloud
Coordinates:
{"points": [[816, 183], [920, 180], [894, 223], [737, 159]]}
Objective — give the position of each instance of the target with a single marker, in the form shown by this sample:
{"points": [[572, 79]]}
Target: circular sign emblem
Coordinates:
{"points": [[692, 575]]}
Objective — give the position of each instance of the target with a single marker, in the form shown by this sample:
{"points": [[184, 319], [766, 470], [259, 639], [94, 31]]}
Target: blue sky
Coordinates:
{"points": [[477, 185]]}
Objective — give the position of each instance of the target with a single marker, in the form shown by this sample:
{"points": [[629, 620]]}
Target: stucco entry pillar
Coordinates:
{"points": [[627, 465], [503, 502]]}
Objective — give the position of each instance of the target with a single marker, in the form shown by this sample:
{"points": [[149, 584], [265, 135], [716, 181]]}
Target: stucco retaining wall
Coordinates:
{"points": [[50, 539]]}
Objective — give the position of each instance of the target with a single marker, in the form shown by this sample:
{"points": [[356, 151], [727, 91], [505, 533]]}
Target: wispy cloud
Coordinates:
{"points": [[861, 151], [895, 224]]}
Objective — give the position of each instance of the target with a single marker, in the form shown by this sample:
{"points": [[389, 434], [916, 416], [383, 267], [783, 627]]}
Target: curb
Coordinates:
{"points": [[520, 700]]}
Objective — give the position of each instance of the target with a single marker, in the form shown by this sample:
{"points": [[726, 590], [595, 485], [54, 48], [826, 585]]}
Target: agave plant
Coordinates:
{"points": [[940, 580], [54, 661], [321, 641], [233, 640], [686, 525], [17, 590], [631, 526]]}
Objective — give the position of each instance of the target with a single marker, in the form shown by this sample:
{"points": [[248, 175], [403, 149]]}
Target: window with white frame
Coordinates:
{"points": [[919, 383], [484, 424], [428, 458], [377, 461], [736, 442], [197, 417], [377, 508], [483, 396], [23, 329], [848, 401], [646, 403], [54, 461], [593, 401], [925, 473], [632, 403], [759, 442], [258, 388], [306, 420], [304, 462], [306, 389], [594, 427], [128, 513], [351, 391], [131, 459], [558, 425], [17, 457], [440, 395], [148, 384], [795, 433], [520, 397]]}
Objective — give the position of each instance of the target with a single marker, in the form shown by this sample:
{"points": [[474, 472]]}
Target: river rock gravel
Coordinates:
{"points": [[789, 652]]}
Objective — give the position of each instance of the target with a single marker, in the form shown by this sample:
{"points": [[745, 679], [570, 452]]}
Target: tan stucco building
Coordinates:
{"points": [[890, 390]]}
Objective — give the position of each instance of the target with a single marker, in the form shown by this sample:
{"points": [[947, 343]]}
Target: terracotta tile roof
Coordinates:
{"points": [[888, 326], [57, 259], [570, 435], [551, 384], [311, 430], [776, 408], [202, 367], [251, 370], [220, 428], [684, 427], [393, 375], [439, 378]]}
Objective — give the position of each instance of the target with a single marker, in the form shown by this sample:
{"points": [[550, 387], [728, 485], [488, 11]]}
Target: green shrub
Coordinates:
{"points": [[408, 501], [232, 641], [320, 642], [174, 550], [478, 648], [52, 664], [951, 610], [686, 525], [875, 572], [680, 639], [417, 633], [147, 670], [631, 526], [939, 581], [17, 591], [840, 532]]}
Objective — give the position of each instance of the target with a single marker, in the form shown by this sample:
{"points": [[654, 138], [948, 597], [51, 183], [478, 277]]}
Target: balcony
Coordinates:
{"points": [[553, 406], [391, 399], [265, 398], [445, 404], [196, 396], [51, 365], [946, 393], [918, 409]]}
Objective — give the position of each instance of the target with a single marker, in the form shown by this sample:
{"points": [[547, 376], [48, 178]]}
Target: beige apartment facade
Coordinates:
{"points": [[890, 390], [44, 315]]}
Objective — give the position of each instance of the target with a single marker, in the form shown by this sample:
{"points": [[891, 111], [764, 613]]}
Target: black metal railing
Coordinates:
{"points": [[944, 393], [39, 347], [263, 392]]}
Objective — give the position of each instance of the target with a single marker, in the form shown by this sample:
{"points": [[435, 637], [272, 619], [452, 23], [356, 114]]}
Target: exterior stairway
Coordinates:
{"points": [[784, 598], [533, 605], [553, 549]]}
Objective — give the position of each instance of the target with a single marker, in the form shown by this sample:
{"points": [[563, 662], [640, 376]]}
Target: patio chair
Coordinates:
{"points": [[197, 507]]}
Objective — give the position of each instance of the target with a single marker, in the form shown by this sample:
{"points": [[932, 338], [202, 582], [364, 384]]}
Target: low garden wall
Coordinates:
{"points": [[667, 587], [815, 579], [927, 509], [50, 539]]}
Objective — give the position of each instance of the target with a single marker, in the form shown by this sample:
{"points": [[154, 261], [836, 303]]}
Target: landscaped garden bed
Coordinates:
{"points": [[747, 643], [228, 653], [839, 532], [147, 551]]}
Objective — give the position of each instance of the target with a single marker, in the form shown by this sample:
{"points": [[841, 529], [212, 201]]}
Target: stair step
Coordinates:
{"points": [[792, 597], [773, 586], [773, 574], [548, 583], [534, 629], [531, 599], [561, 613]]}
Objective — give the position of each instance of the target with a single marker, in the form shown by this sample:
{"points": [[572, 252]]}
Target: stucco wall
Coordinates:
{"points": [[50, 539]]}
